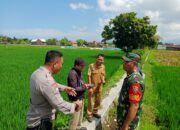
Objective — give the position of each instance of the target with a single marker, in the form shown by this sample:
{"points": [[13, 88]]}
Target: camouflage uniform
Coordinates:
{"points": [[132, 91]]}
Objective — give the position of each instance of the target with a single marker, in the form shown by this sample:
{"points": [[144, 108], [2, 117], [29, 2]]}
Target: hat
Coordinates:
{"points": [[131, 57]]}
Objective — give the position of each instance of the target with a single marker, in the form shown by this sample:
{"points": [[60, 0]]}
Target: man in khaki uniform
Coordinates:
{"points": [[45, 98], [96, 76]]}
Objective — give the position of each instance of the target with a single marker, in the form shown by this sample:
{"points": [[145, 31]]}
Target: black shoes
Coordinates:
{"points": [[97, 116], [90, 119], [83, 128]]}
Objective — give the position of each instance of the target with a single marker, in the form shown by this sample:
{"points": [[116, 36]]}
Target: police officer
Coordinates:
{"points": [[45, 96], [129, 107]]}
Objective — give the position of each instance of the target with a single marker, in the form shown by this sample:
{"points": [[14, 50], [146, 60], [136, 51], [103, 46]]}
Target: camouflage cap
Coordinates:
{"points": [[131, 57]]}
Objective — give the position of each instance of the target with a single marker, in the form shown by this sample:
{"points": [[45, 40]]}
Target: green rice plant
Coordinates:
{"points": [[16, 66], [166, 81]]}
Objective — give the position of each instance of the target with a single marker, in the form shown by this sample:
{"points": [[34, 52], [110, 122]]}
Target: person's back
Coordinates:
{"points": [[39, 106]]}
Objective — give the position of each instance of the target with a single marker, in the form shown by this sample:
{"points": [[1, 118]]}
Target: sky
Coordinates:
{"points": [[83, 19]]}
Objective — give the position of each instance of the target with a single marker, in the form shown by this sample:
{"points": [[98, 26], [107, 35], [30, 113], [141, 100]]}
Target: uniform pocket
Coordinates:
{"points": [[94, 71]]}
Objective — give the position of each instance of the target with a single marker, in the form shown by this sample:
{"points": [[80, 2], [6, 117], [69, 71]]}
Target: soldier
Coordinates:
{"points": [[129, 107], [137, 57], [96, 76], [45, 98]]}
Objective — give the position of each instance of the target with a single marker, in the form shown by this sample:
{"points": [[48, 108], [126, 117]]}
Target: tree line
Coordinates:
{"points": [[52, 41]]}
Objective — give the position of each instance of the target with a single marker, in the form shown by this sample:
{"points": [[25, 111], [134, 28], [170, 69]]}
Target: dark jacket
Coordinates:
{"points": [[75, 80]]}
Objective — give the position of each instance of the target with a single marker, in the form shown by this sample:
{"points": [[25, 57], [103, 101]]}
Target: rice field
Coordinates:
{"points": [[168, 58], [166, 81], [16, 66]]}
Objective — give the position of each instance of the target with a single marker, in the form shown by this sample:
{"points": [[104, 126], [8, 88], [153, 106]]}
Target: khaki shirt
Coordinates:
{"points": [[97, 73], [45, 98]]}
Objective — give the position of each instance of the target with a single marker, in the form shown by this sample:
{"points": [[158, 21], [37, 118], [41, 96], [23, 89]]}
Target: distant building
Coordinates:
{"points": [[92, 44], [38, 42], [95, 44], [4, 42], [173, 47], [161, 47], [168, 46], [109, 45], [73, 43]]}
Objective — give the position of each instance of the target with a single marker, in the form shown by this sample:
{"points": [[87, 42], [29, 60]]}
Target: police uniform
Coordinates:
{"points": [[132, 91], [97, 74], [45, 98]]}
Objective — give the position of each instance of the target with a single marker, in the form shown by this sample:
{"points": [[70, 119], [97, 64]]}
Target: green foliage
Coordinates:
{"points": [[81, 42], [5, 39], [161, 98], [52, 41], [21, 41], [149, 112], [166, 82], [107, 33], [65, 42], [128, 30], [18, 64]]}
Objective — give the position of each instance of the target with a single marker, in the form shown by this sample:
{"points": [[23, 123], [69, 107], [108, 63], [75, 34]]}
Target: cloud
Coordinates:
{"points": [[79, 6], [103, 21], [170, 32], [82, 32], [116, 5], [37, 32], [164, 13], [153, 15], [79, 29], [138, 5]]}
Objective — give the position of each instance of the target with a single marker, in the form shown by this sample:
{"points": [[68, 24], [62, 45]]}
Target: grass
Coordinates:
{"points": [[161, 97], [161, 85], [167, 81], [17, 65], [149, 112]]}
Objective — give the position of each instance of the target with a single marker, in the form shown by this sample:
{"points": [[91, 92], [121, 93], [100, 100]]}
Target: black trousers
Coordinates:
{"points": [[46, 124]]}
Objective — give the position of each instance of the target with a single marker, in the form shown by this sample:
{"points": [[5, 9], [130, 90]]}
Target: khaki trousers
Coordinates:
{"points": [[76, 118], [94, 97]]}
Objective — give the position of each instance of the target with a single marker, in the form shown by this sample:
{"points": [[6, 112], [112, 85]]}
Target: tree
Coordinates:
{"points": [[14, 40], [81, 42], [128, 30], [65, 42], [52, 41], [5, 39], [19, 41]]}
